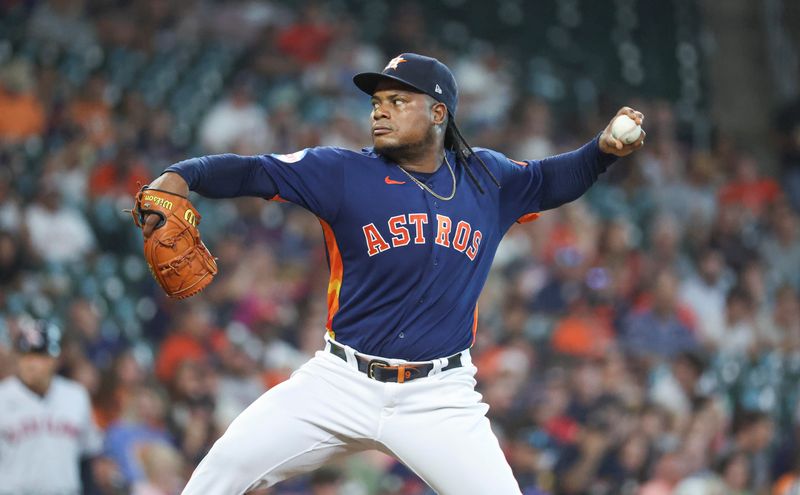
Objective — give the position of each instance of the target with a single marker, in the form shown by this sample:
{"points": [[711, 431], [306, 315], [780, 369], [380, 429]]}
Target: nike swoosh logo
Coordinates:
{"points": [[390, 181]]}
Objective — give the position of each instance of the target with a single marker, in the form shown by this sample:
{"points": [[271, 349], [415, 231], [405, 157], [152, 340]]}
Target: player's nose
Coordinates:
{"points": [[379, 113]]}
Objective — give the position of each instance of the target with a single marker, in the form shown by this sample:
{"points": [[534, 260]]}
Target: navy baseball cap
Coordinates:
{"points": [[425, 74], [39, 337]]}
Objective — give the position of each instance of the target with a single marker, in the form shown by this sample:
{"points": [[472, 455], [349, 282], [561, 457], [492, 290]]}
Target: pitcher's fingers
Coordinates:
{"points": [[150, 222]]}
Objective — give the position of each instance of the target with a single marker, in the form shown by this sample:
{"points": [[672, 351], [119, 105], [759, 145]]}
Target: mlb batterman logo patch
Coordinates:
{"points": [[292, 157]]}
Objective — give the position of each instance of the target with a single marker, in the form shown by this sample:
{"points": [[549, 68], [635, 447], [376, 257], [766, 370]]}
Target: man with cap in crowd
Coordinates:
{"points": [[411, 226], [46, 423]]}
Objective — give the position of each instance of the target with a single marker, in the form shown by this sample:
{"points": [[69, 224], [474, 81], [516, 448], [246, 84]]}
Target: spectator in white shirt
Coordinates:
{"points": [[705, 293], [58, 234], [237, 124]]}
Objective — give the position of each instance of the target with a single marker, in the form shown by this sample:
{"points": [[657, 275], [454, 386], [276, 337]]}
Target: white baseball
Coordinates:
{"points": [[625, 129]]}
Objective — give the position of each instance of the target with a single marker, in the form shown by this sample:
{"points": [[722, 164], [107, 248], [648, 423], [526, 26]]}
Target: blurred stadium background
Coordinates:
{"points": [[641, 340]]}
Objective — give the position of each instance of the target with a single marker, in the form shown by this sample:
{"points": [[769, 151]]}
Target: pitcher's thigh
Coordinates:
{"points": [[451, 447], [456, 455], [286, 432]]}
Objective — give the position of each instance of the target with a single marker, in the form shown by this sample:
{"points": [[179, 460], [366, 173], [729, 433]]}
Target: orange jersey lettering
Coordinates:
{"points": [[375, 242]]}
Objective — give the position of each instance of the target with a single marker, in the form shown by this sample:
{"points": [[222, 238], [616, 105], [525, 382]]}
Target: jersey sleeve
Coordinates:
{"points": [[530, 186], [312, 178], [520, 185]]}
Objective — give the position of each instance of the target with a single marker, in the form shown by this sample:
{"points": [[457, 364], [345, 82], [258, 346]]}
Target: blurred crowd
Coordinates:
{"points": [[644, 339]]}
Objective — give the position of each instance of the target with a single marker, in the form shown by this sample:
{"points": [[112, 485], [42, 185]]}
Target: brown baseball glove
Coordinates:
{"points": [[178, 259]]}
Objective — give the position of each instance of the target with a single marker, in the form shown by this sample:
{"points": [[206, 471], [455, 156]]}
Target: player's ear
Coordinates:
{"points": [[438, 113]]}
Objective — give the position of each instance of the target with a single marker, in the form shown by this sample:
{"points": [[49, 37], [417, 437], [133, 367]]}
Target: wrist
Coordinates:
{"points": [[171, 182], [606, 155]]}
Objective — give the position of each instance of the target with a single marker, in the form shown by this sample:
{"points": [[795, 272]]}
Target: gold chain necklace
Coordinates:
{"points": [[423, 186]]}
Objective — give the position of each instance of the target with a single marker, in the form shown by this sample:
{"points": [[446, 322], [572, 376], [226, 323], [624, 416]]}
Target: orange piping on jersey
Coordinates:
{"points": [[278, 198], [524, 164], [528, 217], [474, 325], [337, 269]]}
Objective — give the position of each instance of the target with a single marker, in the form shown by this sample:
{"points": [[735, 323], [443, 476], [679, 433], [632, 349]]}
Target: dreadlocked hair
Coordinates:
{"points": [[454, 141]]}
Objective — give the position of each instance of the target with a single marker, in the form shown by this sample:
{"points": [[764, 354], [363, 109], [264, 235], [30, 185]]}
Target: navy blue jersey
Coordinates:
{"points": [[406, 267]]}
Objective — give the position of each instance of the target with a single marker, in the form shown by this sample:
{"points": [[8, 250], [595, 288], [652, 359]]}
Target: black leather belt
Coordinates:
{"points": [[382, 371]]}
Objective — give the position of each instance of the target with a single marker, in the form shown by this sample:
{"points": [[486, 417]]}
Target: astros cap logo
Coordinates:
{"points": [[394, 62]]}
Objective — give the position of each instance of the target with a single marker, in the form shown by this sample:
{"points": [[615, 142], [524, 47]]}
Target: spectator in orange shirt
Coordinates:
{"points": [[189, 339], [308, 39], [586, 331], [21, 113], [92, 113], [748, 189], [120, 176]]}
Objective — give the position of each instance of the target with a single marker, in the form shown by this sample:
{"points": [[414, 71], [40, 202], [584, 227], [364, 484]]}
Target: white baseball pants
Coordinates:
{"points": [[435, 425]]}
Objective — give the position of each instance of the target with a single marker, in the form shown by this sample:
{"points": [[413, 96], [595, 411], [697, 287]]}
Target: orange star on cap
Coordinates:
{"points": [[394, 62]]}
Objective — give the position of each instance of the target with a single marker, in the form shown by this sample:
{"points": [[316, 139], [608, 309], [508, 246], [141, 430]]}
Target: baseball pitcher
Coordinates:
{"points": [[411, 227]]}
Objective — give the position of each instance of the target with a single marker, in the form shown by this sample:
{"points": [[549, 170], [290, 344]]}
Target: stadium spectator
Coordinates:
{"points": [[480, 109], [667, 472], [190, 418], [734, 470], [22, 114], [142, 423], [188, 340], [239, 382], [753, 434], [533, 137], [579, 465], [728, 236], [122, 176], [618, 265], [117, 386], [163, 470], [91, 112], [739, 333], [58, 233], [99, 343], [782, 248], [748, 189], [785, 319], [586, 331], [68, 168], [236, 124], [12, 260], [660, 330], [664, 249], [308, 38], [704, 292], [675, 388]]}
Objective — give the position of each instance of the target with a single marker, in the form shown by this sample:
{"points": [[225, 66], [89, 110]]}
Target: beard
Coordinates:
{"points": [[400, 152]]}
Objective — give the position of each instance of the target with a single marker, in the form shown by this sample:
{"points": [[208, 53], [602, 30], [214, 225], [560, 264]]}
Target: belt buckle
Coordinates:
{"points": [[371, 367]]}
